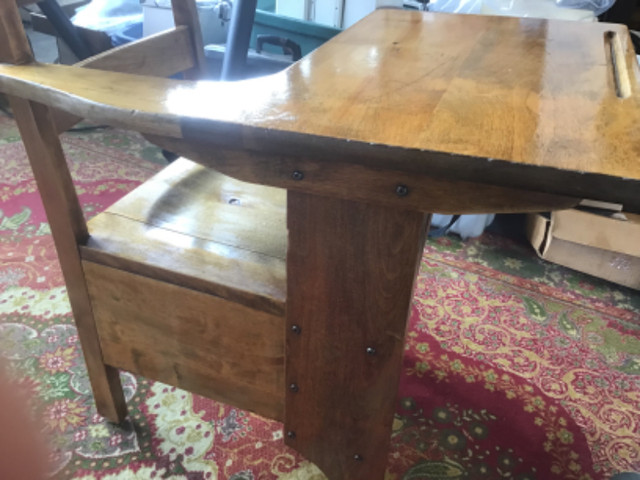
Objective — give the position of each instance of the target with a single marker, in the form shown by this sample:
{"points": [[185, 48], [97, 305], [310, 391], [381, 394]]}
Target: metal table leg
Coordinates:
{"points": [[235, 55]]}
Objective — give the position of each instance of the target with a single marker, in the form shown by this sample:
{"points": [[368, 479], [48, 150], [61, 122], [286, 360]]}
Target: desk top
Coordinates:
{"points": [[544, 105]]}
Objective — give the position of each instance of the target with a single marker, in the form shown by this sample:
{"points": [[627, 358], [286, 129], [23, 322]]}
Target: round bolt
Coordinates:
{"points": [[371, 351], [358, 458], [294, 388], [402, 190], [296, 329], [291, 434], [297, 175]]}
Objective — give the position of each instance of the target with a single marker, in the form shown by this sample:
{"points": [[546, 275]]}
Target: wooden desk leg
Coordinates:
{"points": [[350, 272]]}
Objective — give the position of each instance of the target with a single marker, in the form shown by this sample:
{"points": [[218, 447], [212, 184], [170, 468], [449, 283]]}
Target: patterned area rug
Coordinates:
{"points": [[514, 368]]}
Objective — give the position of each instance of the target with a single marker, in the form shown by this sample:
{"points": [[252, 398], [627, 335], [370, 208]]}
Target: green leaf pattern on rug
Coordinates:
{"points": [[535, 310], [567, 326], [14, 221], [436, 470], [631, 366]]}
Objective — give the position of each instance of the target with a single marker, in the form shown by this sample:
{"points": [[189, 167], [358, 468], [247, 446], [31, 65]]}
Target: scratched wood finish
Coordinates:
{"points": [[195, 227], [523, 103], [350, 273], [366, 184], [68, 228], [189, 339]]}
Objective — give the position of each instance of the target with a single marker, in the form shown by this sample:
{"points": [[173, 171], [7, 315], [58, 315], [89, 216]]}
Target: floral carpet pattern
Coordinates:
{"points": [[514, 368]]}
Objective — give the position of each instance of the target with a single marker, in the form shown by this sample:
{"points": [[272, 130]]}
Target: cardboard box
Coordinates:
{"points": [[599, 245]]}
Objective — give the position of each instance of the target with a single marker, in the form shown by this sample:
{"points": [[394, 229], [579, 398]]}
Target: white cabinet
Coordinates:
{"points": [[334, 13]]}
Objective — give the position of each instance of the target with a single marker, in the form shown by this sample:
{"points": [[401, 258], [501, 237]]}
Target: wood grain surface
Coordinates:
{"points": [[185, 14], [160, 55], [192, 226], [525, 103], [424, 192], [189, 339], [350, 271], [14, 46]]}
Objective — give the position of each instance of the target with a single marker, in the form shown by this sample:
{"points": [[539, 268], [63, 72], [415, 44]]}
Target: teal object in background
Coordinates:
{"points": [[267, 5], [308, 35]]}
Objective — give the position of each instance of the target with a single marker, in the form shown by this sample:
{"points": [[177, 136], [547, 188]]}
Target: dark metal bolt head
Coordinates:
{"points": [[294, 388], [402, 190], [296, 329], [371, 351], [297, 175], [291, 434], [358, 458]]}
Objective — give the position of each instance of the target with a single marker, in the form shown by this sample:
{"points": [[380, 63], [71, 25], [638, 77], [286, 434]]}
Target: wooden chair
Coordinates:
{"points": [[183, 280]]}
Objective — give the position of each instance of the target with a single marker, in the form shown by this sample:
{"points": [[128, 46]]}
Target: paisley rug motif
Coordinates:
{"points": [[514, 368]]}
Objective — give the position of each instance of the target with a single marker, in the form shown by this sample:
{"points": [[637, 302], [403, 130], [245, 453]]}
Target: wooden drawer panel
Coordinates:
{"points": [[209, 346]]}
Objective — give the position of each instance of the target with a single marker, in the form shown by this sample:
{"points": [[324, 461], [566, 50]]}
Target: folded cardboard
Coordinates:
{"points": [[599, 245]]}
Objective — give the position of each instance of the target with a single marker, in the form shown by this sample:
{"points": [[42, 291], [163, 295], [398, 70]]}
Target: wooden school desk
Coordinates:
{"points": [[403, 114]]}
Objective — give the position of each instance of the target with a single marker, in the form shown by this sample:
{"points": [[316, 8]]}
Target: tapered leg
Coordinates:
{"points": [[69, 229], [350, 272]]}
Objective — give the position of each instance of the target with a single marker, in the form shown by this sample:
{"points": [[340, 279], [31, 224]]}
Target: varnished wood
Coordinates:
{"points": [[185, 13], [160, 55], [68, 229], [350, 271], [466, 112], [189, 339], [194, 227], [14, 46], [372, 185], [522, 103]]}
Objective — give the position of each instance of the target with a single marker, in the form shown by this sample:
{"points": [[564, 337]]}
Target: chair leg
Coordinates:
{"points": [[69, 229]]}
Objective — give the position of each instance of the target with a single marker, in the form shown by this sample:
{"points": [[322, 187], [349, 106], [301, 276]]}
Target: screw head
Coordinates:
{"points": [[371, 351], [294, 388], [358, 458], [296, 329], [402, 190], [297, 175], [291, 434]]}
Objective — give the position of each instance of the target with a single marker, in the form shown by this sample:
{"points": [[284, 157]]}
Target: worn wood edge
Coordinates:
{"points": [[271, 305], [139, 58], [233, 136], [357, 182], [268, 402], [34, 88]]}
